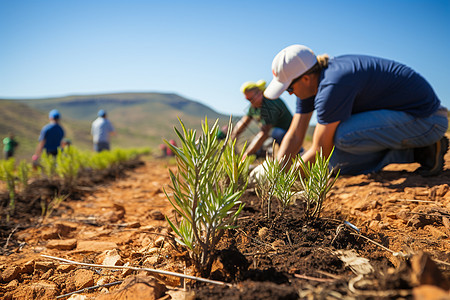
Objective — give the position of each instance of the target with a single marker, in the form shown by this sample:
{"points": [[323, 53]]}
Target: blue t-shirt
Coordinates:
{"points": [[357, 83], [53, 134]]}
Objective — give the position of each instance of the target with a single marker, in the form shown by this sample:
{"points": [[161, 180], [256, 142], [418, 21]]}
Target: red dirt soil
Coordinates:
{"points": [[122, 222]]}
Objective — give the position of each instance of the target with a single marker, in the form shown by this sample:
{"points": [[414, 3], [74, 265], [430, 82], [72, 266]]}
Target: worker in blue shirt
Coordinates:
{"points": [[51, 136], [374, 111]]}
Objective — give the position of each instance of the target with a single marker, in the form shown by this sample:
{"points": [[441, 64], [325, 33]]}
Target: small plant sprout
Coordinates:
{"points": [[316, 183], [265, 185], [48, 165], [47, 207], [61, 171], [278, 183], [235, 167], [23, 173], [284, 188], [206, 191], [68, 164]]}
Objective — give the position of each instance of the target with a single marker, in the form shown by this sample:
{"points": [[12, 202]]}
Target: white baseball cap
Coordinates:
{"points": [[288, 64]]}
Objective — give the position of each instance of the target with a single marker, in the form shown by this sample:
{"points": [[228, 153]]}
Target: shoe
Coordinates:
{"points": [[431, 158]]}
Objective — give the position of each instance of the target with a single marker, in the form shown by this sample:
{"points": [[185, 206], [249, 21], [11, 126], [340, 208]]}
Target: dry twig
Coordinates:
{"points": [[9, 237], [89, 288], [138, 269], [314, 278]]}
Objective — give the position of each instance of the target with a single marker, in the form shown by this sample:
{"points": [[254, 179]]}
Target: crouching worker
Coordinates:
{"points": [[273, 117], [374, 111]]}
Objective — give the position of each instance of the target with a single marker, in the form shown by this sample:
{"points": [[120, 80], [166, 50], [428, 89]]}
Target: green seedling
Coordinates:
{"points": [[48, 165], [205, 191], [316, 183], [68, 164], [48, 208], [24, 173], [284, 187], [277, 182]]}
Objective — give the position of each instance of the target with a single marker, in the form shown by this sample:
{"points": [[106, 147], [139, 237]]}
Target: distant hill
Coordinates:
{"points": [[141, 119], [85, 107]]}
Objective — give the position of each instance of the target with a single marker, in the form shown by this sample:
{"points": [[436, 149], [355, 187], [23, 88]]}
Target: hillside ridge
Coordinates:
{"points": [[141, 119]]}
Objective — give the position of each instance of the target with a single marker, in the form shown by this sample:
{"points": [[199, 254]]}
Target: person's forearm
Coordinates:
{"points": [[38, 151], [240, 126], [323, 140], [237, 131], [39, 148], [293, 140], [256, 143], [289, 147]]}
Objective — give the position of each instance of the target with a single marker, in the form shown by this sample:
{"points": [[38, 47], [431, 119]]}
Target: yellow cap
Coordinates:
{"points": [[250, 85]]}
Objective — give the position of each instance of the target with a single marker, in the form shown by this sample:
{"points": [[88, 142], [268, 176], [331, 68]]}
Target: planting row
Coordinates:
{"points": [[64, 169]]}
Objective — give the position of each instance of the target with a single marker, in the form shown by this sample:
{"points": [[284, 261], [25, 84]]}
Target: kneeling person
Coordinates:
{"points": [[272, 116]]}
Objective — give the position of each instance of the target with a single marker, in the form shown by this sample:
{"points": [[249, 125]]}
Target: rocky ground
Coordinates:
{"points": [[403, 242]]}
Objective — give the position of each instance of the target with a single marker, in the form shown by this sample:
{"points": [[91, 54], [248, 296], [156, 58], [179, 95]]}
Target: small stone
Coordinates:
{"points": [[362, 205], [383, 226], [83, 278], [377, 217], [403, 214], [126, 272], [373, 225], [278, 244], [94, 246], [28, 267], [152, 260], [262, 232], [146, 241], [111, 258], [49, 233], [43, 266], [137, 287], [159, 241], [12, 284], [157, 215], [153, 250], [65, 268], [150, 228], [374, 204], [392, 215], [111, 217], [58, 230], [105, 279], [436, 233], [41, 290], [47, 274], [62, 244], [442, 189], [10, 273], [134, 225]]}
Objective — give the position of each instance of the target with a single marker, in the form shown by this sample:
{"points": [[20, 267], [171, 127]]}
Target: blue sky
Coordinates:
{"points": [[205, 50]]}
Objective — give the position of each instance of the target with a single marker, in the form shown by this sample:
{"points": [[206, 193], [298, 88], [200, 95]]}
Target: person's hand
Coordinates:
{"points": [[35, 162], [258, 173]]}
